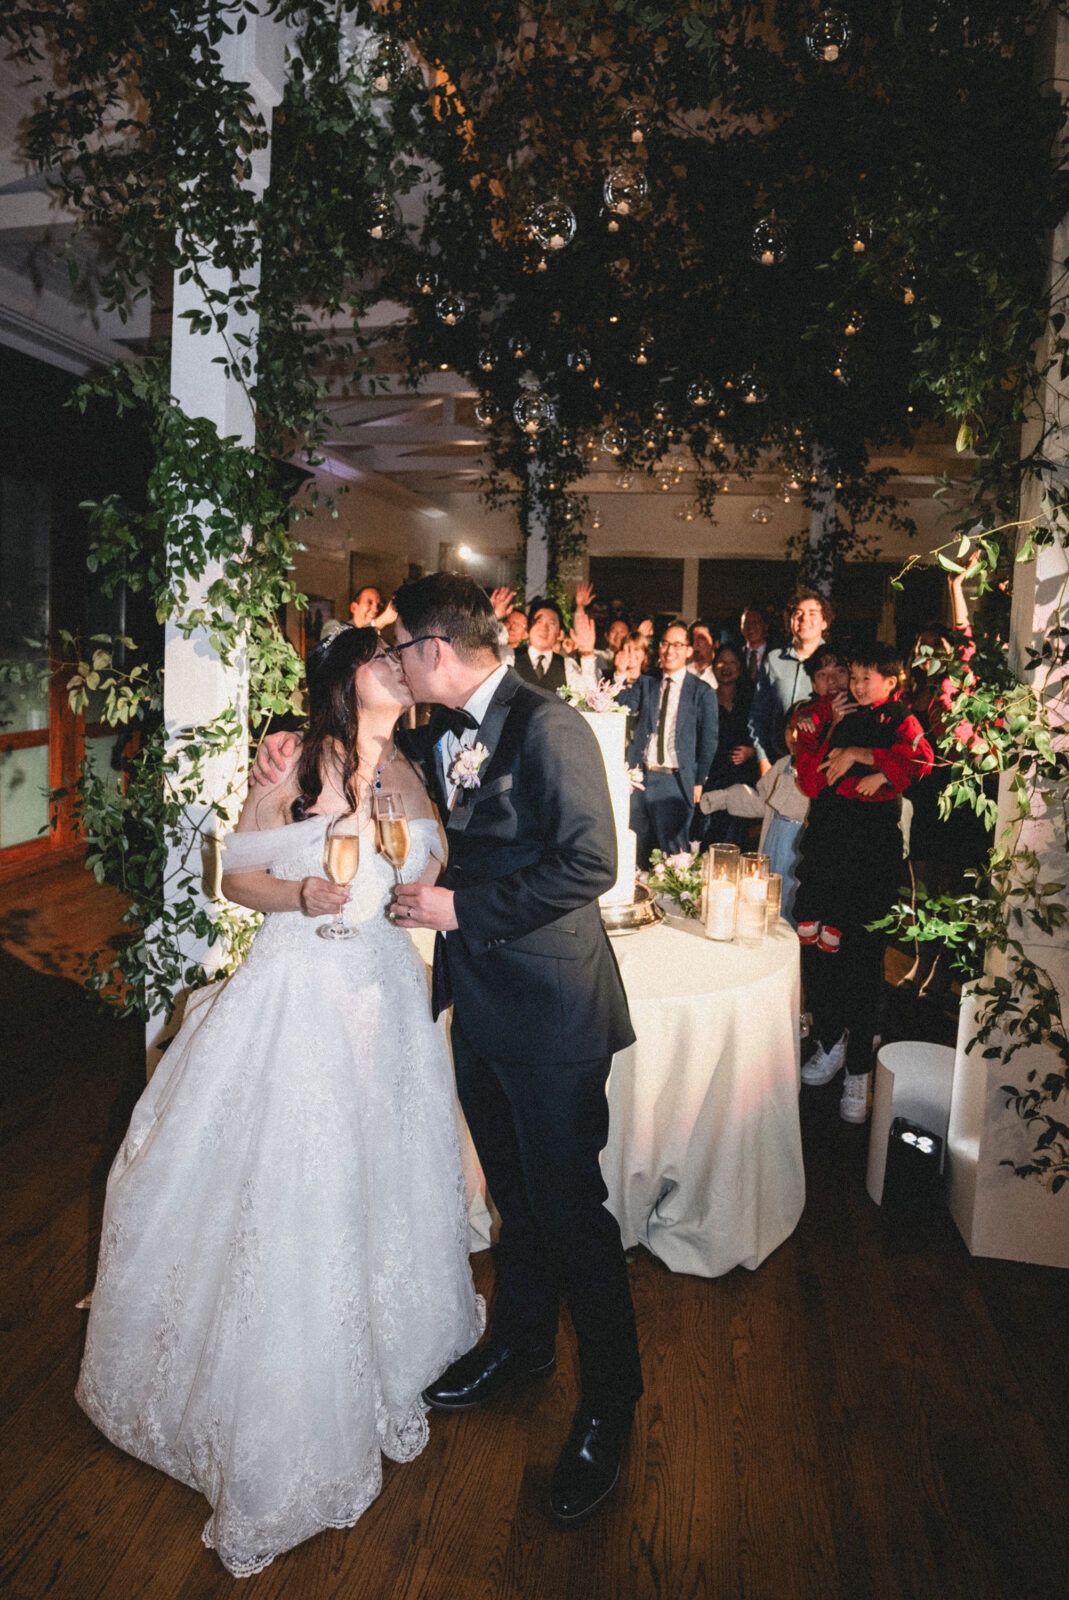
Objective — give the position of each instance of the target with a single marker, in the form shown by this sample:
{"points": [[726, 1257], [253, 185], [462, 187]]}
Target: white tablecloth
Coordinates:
{"points": [[704, 1159]]}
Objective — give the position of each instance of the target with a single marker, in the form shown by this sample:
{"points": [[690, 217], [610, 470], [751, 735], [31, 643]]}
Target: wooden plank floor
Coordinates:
{"points": [[872, 1415]]}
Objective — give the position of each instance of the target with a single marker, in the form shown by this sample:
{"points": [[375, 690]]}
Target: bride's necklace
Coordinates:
{"points": [[376, 782]]}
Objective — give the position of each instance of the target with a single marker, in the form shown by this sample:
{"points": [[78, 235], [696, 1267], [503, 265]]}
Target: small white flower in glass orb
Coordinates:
{"points": [[519, 347], [534, 412], [451, 308], [552, 224], [769, 242], [389, 63], [578, 360], [828, 35], [426, 280], [626, 187], [486, 359], [487, 413], [752, 389], [633, 125], [761, 513], [384, 218], [700, 394], [614, 440]]}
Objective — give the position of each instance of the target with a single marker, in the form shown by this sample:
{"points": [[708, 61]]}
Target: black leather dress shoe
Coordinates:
{"points": [[483, 1372], [589, 1466]]}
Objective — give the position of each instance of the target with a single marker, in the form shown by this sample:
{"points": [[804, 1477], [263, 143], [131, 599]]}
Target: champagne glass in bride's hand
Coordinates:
{"points": [[395, 841], [341, 857]]}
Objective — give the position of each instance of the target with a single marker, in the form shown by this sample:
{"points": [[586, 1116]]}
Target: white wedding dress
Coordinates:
{"points": [[284, 1264]]}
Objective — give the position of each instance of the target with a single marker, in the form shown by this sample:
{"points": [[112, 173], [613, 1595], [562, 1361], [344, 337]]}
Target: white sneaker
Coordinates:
{"points": [[824, 1064], [854, 1105]]}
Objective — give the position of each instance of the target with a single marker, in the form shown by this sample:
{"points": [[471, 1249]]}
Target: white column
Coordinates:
{"points": [[537, 567], [998, 1213], [821, 521], [197, 685]]}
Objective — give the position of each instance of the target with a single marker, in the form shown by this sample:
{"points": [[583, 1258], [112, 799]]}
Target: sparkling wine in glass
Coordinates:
{"points": [[395, 841], [341, 857]]}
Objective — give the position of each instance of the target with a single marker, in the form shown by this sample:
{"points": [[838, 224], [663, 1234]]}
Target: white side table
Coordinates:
{"points": [[912, 1080]]}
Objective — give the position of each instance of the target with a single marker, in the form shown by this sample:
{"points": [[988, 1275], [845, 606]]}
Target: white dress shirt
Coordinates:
{"points": [[672, 686], [706, 674], [476, 705], [580, 672]]}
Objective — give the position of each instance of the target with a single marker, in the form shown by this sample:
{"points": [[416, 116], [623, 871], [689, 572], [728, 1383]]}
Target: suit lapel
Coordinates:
{"points": [[489, 736]]}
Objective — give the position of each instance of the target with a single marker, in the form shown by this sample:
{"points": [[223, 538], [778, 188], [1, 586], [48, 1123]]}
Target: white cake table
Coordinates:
{"points": [[704, 1159]]}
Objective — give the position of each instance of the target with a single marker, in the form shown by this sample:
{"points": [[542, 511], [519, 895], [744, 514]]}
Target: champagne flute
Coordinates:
{"points": [[341, 857], [395, 840]]}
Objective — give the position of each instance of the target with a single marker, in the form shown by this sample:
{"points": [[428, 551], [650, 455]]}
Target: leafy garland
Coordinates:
{"points": [[906, 183]]}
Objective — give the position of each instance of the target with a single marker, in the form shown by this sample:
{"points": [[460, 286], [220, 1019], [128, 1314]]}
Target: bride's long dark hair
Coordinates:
{"points": [[332, 714]]}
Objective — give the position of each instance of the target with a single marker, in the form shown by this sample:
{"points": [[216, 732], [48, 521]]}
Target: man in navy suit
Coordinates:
{"points": [[674, 742]]}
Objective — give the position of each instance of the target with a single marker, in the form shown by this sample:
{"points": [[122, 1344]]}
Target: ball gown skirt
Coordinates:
{"points": [[284, 1264]]}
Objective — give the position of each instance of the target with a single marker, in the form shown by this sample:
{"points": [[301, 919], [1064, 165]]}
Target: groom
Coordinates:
{"points": [[539, 1011]]}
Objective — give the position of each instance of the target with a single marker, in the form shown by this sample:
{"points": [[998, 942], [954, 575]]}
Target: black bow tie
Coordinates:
{"points": [[450, 719]]}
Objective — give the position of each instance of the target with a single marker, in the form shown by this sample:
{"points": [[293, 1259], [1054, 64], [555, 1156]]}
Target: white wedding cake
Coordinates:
{"points": [[610, 730]]}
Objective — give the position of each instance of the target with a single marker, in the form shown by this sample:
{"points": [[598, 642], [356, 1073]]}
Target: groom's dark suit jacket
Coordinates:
{"points": [[530, 850]]}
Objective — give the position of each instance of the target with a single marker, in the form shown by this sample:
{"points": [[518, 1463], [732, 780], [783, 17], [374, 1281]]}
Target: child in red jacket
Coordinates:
{"points": [[856, 755]]}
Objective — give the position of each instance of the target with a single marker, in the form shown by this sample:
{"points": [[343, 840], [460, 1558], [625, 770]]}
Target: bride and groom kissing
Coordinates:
{"points": [[283, 1288]]}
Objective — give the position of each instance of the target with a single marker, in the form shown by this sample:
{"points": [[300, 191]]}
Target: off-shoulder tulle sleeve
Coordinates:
{"points": [[262, 849]]}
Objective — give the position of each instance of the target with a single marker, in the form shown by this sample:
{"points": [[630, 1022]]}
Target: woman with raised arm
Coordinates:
{"points": [[284, 1261]]}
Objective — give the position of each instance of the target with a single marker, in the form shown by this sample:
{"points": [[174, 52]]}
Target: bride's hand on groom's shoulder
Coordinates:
{"points": [[320, 898], [273, 758]]}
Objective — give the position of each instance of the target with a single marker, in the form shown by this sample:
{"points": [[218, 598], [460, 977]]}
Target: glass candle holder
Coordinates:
{"points": [[753, 865], [753, 907], [775, 897], [720, 891]]}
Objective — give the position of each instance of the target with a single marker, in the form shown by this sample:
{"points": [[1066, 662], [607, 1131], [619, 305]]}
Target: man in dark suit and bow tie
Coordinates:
{"points": [[674, 743], [539, 1010]]}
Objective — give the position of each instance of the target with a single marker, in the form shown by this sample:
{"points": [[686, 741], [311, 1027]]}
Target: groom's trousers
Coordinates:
{"points": [[538, 1131]]}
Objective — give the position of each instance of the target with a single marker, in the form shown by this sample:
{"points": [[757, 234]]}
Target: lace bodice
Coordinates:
{"points": [[296, 852]]}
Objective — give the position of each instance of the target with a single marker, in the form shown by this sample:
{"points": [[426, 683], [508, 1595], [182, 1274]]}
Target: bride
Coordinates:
{"points": [[283, 1265]]}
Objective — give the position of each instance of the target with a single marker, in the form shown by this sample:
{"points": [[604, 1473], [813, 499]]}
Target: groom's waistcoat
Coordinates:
{"points": [[532, 972]]}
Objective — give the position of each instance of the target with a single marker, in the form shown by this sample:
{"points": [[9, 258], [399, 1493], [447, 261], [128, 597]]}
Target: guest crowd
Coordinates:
{"points": [[816, 750]]}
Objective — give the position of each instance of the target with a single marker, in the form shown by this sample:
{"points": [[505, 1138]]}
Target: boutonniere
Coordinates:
{"points": [[464, 771]]}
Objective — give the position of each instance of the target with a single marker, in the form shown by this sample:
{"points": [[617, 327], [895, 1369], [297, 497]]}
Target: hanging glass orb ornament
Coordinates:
{"points": [[769, 242], [578, 360], [686, 513], [625, 190], [840, 367], [451, 309], [640, 355], [534, 412], [486, 359], [487, 412], [752, 390], [855, 321], [761, 514], [906, 285], [388, 65], [858, 236], [664, 481], [624, 480], [614, 440], [653, 439], [595, 521], [633, 125], [700, 395], [519, 347], [552, 224], [384, 217], [828, 35], [426, 280]]}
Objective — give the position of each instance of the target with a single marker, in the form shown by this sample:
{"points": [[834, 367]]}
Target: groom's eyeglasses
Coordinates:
{"points": [[395, 649]]}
